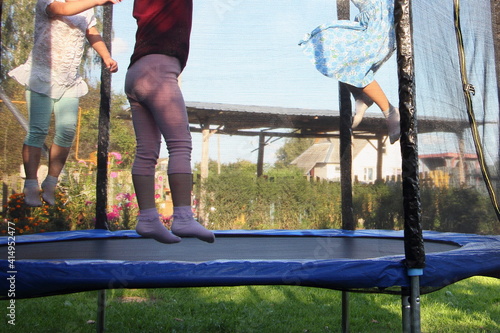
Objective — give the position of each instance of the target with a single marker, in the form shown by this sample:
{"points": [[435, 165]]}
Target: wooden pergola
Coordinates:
{"points": [[267, 122]]}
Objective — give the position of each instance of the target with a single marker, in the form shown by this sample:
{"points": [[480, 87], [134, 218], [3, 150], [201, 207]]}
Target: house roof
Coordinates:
{"points": [[325, 150]]}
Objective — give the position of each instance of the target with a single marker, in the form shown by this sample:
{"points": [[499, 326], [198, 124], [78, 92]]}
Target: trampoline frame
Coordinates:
{"points": [[388, 274]]}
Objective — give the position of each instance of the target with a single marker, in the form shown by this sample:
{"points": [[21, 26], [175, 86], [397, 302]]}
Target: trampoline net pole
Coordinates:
{"points": [[405, 310], [103, 136], [101, 310], [414, 244], [415, 304], [343, 13], [345, 311]]}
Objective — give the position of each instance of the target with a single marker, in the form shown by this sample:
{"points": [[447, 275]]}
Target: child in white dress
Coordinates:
{"points": [[53, 84]]}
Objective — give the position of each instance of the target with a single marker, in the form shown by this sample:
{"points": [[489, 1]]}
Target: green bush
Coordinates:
{"points": [[379, 206], [28, 220], [284, 199], [465, 210]]}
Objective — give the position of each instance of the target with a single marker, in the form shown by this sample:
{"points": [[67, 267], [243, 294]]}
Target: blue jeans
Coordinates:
{"points": [[40, 109]]}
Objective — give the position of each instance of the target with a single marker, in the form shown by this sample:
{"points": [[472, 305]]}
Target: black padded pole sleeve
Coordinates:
{"points": [[414, 244]]}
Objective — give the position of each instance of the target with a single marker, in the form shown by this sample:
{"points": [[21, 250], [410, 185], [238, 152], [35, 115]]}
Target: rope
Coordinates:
{"points": [[20, 118], [469, 91]]}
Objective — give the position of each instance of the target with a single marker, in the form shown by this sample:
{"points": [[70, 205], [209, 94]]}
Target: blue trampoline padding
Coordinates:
{"points": [[477, 256]]}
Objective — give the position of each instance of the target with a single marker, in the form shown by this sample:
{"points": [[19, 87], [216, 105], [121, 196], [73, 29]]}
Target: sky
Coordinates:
{"points": [[246, 52]]}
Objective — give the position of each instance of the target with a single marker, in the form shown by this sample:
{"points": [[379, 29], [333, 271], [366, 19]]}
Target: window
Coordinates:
{"points": [[368, 174]]}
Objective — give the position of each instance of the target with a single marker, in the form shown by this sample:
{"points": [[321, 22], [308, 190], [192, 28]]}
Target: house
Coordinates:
{"points": [[452, 168], [322, 160]]}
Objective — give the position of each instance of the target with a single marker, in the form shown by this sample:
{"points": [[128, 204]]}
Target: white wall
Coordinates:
{"points": [[367, 159]]}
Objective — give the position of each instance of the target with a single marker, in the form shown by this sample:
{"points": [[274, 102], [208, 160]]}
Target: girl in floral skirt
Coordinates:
{"points": [[353, 51]]}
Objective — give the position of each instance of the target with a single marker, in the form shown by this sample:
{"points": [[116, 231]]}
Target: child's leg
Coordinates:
{"points": [[40, 111], [159, 89], [66, 117], [391, 113], [376, 94], [184, 224], [393, 124], [57, 159], [31, 192], [175, 129], [149, 224], [148, 139], [148, 148], [362, 103]]}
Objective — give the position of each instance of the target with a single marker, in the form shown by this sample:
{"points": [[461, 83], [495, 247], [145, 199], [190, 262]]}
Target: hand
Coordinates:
{"points": [[111, 65], [107, 2]]}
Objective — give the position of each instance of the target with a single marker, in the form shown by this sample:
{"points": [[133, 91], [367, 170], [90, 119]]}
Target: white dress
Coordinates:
{"points": [[53, 65]]}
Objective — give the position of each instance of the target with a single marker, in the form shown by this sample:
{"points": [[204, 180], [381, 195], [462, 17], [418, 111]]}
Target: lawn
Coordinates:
{"points": [[472, 305]]}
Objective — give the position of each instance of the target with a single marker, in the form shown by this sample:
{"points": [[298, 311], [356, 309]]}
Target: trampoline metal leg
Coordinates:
{"points": [[345, 312], [101, 309], [415, 304], [406, 311]]}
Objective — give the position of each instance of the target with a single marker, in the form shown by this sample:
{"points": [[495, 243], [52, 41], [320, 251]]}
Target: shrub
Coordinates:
{"points": [[30, 220]]}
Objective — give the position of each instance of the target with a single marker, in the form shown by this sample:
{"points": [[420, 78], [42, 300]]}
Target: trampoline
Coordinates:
{"points": [[364, 260], [377, 261]]}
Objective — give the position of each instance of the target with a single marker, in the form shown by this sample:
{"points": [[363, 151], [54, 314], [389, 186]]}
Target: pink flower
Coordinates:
{"points": [[113, 216], [166, 220], [113, 174], [157, 196], [116, 155]]}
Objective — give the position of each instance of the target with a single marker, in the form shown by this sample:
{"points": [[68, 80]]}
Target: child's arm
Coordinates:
{"points": [[75, 7], [95, 40]]}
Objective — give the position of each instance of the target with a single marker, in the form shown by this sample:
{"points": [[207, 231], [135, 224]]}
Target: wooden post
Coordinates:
{"points": [[205, 133], [260, 157]]}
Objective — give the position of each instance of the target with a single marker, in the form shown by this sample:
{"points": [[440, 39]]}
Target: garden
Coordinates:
{"points": [[237, 199]]}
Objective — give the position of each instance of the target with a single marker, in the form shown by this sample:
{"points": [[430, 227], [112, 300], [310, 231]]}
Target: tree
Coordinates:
{"points": [[122, 138], [292, 148], [17, 33]]}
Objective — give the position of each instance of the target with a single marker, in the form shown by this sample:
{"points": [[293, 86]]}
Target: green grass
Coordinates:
{"points": [[472, 305]]}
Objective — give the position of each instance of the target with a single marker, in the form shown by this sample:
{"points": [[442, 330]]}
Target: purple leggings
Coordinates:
{"points": [[158, 110]]}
